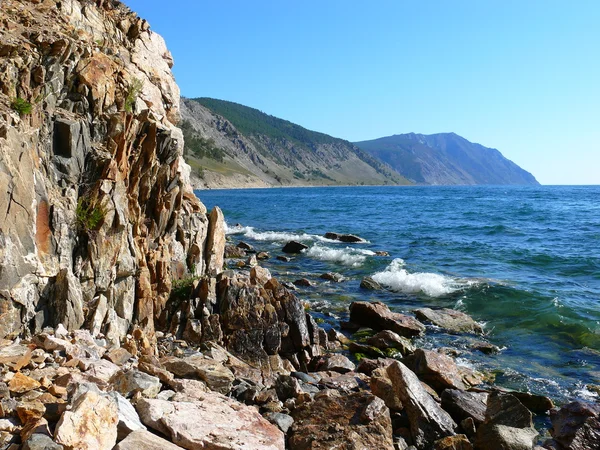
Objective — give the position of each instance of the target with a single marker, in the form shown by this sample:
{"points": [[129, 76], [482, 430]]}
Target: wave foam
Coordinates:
{"points": [[348, 256], [397, 278], [274, 236]]}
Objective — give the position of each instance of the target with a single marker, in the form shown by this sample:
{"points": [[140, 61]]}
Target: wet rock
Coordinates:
{"points": [[437, 370], [294, 247], [449, 319], [145, 440], [388, 339], [91, 424], [335, 362], [534, 402], [332, 276], [234, 252], [458, 442], [215, 421], [462, 404], [485, 347], [428, 421], [382, 253], [366, 350], [508, 425], [216, 376], [358, 420], [576, 426], [262, 256], [245, 246], [349, 238], [283, 258], [303, 282], [283, 421], [378, 316], [133, 381], [370, 284]]}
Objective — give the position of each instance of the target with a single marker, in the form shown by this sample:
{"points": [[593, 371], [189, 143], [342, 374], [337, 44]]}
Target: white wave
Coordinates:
{"points": [[274, 236], [348, 256], [397, 278]]}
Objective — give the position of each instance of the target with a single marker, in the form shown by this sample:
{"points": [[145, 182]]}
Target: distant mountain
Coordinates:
{"points": [[231, 145], [445, 158]]}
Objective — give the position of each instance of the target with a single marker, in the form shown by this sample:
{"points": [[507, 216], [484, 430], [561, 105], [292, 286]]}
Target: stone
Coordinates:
{"points": [[539, 404], [463, 404], [30, 410], [214, 422], [332, 276], [39, 441], [576, 426], [91, 424], [303, 282], [348, 238], [261, 256], [335, 362], [216, 376], [485, 347], [188, 389], [508, 425], [294, 247], [367, 366], [245, 246], [102, 369], [378, 316], [370, 284], [437, 370], [347, 382], [20, 384], [215, 242], [234, 252], [355, 421], [428, 421], [449, 319], [118, 356], [129, 420], [458, 442], [388, 339], [259, 275], [382, 387], [145, 440], [133, 381], [283, 258], [283, 421]]}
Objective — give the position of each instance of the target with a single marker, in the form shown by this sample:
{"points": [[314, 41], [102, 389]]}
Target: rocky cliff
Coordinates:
{"points": [[238, 146], [97, 215], [446, 158]]}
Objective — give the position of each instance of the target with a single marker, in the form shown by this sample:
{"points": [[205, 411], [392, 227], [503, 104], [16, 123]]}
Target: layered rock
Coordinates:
{"points": [[98, 214]]}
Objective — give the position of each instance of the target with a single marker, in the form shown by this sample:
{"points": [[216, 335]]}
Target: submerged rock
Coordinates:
{"points": [[449, 319], [355, 421], [332, 276], [370, 284], [378, 316], [348, 238]]}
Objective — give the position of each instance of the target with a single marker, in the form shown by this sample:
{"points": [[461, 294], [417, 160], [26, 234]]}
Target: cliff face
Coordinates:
{"points": [[254, 149], [446, 159], [96, 212]]}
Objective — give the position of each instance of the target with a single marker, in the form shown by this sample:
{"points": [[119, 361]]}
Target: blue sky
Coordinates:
{"points": [[520, 76]]}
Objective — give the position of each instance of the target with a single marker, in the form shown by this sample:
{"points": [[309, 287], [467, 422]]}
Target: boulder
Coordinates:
{"points": [[388, 339], [458, 442], [382, 387], [283, 421], [215, 242], [449, 319], [348, 238], [428, 421], [145, 440], [234, 252], [335, 362], [378, 316], [40, 441], [437, 370], [355, 421], [132, 381], [129, 421], [302, 282], [261, 256], [462, 404], [508, 425], [539, 404], [20, 384], [245, 246], [332, 276], [216, 376], [91, 424], [576, 426], [370, 284], [213, 422], [294, 247]]}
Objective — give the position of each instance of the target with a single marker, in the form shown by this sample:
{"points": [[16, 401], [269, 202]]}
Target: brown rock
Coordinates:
{"points": [[216, 376], [378, 316], [576, 426], [118, 356], [462, 404], [388, 339], [335, 362], [30, 410], [437, 370], [22, 383], [458, 442], [382, 387], [359, 420]]}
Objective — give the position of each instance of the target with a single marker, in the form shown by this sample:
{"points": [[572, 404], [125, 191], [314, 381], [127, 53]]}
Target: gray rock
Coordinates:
{"points": [[283, 421], [378, 316], [348, 238], [39, 441], [335, 362], [449, 319], [462, 404], [428, 421], [129, 420], [132, 381], [333, 276], [370, 284]]}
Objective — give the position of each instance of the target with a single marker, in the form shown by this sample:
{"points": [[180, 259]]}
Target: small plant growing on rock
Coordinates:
{"points": [[21, 106], [89, 214], [132, 94]]}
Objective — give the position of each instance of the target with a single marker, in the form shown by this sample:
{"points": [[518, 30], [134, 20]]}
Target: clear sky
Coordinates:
{"points": [[522, 76]]}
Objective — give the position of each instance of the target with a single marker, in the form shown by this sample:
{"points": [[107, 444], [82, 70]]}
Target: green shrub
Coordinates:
{"points": [[22, 106], [90, 214], [132, 94]]}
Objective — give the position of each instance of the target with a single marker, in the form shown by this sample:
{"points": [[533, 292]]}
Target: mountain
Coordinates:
{"points": [[445, 158], [231, 145]]}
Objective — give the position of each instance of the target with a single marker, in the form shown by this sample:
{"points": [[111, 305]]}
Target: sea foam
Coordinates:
{"points": [[273, 236], [397, 278], [347, 256]]}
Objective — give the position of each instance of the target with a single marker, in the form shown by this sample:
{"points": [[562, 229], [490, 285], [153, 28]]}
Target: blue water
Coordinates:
{"points": [[523, 260]]}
